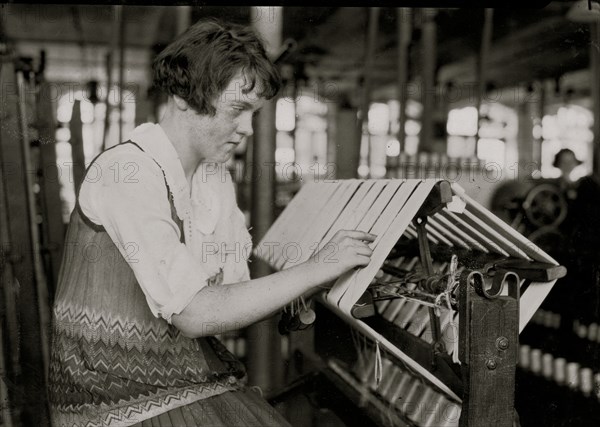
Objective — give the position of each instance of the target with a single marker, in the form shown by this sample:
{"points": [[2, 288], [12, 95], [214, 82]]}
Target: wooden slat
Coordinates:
{"points": [[433, 221], [412, 231], [354, 283], [326, 217], [300, 224], [437, 236], [406, 314], [419, 322], [356, 209], [279, 231], [531, 300], [475, 234], [496, 237], [503, 228], [373, 212], [297, 224], [397, 305], [386, 240], [392, 349], [471, 241]]}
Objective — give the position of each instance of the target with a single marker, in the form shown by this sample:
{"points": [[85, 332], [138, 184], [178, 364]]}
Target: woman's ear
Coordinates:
{"points": [[180, 103]]}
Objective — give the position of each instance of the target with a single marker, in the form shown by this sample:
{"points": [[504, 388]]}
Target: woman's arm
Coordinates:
{"points": [[218, 309]]}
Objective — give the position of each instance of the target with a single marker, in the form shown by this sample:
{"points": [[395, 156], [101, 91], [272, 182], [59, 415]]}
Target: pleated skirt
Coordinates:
{"points": [[244, 408]]}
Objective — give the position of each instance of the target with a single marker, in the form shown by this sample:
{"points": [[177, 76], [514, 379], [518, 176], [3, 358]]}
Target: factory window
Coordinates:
{"points": [[488, 139], [380, 136], [301, 150], [567, 127]]}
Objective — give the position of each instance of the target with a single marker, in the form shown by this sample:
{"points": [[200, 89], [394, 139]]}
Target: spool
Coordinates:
{"points": [[424, 406], [573, 375], [581, 330], [535, 361], [306, 317], [450, 414], [386, 372], [400, 391], [586, 381], [524, 351], [547, 365], [411, 406], [387, 384], [592, 332], [364, 370], [556, 320], [548, 319], [434, 418], [560, 372]]}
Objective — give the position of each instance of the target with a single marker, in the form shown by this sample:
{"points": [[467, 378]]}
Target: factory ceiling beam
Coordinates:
{"points": [[54, 23], [539, 51]]}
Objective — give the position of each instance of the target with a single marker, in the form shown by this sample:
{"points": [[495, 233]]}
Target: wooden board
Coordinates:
{"points": [[332, 209], [373, 212], [410, 201]]}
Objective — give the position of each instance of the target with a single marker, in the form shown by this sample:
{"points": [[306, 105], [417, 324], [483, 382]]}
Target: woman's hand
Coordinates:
{"points": [[346, 250]]}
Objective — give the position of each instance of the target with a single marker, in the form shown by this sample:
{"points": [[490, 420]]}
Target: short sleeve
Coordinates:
{"points": [[134, 210]]}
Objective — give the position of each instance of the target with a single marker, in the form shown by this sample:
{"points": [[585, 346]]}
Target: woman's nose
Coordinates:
{"points": [[245, 126]]}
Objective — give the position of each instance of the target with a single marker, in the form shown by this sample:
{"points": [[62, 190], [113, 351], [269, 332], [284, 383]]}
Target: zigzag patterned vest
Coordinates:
{"points": [[113, 362]]}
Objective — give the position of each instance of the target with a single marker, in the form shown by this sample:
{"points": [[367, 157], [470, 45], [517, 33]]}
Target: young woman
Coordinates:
{"points": [[155, 260]]}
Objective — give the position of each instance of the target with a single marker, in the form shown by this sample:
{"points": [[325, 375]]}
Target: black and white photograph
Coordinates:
{"points": [[377, 214]]}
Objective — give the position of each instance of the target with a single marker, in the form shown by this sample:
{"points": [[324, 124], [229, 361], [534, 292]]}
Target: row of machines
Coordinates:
{"points": [[428, 333], [561, 344]]}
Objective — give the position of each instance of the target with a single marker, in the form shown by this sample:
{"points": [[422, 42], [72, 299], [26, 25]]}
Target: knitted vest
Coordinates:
{"points": [[113, 362]]}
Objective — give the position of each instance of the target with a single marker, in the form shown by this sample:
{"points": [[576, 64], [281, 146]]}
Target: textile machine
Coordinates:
{"points": [[428, 333]]}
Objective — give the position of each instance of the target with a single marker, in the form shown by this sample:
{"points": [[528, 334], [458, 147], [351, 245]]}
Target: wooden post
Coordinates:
{"points": [[54, 227], [347, 143], [529, 148], [428, 59], [10, 368], [486, 41], [371, 45], [539, 104], [121, 20], [77, 153], [41, 287], [594, 73], [109, 83], [31, 384], [183, 18], [488, 348], [404, 30], [331, 167], [265, 367]]}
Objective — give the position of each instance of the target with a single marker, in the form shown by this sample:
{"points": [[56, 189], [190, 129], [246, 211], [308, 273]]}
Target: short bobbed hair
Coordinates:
{"points": [[199, 64]]}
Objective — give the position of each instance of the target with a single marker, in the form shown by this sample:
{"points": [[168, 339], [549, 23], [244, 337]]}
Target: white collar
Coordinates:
{"points": [[205, 202], [154, 141]]}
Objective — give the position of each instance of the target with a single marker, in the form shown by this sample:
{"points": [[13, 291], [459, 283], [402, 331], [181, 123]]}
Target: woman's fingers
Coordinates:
{"points": [[364, 250], [360, 235]]}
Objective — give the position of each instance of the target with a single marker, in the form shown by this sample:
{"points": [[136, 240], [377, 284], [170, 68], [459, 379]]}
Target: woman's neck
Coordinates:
{"points": [[177, 134]]}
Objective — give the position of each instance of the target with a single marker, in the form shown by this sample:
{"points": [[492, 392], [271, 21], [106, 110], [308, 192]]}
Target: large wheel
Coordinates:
{"points": [[545, 206], [549, 239]]}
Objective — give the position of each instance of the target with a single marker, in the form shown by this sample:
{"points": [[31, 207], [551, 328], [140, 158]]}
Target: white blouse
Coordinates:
{"points": [[125, 192]]}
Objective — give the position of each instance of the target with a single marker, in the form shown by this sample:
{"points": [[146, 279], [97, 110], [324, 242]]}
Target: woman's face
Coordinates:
{"points": [[214, 138]]}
